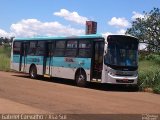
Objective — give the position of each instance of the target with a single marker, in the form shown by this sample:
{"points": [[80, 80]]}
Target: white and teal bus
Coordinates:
{"points": [[109, 59]]}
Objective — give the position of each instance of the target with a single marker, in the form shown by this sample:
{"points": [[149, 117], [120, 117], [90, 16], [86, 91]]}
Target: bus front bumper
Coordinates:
{"points": [[112, 79]]}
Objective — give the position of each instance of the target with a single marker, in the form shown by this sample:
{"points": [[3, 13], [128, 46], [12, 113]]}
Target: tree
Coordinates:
{"points": [[147, 29], [6, 41]]}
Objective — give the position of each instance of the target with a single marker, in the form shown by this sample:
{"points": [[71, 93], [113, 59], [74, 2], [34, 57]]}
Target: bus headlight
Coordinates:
{"points": [[112, 73]]}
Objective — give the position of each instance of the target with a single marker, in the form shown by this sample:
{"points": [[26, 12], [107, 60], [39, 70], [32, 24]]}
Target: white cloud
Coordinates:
{"points": [[107, 33], [121, 32], [137, 15], [71, 16], [3, 33], [119, 22], [34, 27]]}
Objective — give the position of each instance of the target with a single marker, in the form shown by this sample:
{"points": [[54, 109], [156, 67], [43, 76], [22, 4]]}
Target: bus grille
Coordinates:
{"points": [[124, 81], [125, 73]]}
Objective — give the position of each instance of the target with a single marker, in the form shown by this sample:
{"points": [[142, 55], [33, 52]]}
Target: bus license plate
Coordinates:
{"points": [[125, 80]]}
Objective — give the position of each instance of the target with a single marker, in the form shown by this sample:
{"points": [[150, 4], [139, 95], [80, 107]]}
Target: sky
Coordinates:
{"points": [[29, 18]]}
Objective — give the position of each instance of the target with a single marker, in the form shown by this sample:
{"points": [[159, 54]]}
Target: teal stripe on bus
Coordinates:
{"points": [[72, 62], [67, 62], [60, 37]]}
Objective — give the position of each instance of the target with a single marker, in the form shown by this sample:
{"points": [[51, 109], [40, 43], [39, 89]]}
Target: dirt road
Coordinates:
{"points": [[20, 94]]}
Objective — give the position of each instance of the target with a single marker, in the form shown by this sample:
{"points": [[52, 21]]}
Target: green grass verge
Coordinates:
{"points": [[149, 75], [4, 59]]}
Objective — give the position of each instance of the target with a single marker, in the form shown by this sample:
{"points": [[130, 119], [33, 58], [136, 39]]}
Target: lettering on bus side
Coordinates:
{"points": [[68, 59], [33, 60]]}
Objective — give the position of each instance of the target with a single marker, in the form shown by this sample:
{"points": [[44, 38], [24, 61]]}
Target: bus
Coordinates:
{"points": [[109, 59]]}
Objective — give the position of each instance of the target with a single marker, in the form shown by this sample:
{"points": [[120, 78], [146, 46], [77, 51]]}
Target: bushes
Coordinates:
{"points": [[4, 63], [149, 79], [154, 57], [5, 58], [5, 50], [149, 73]]}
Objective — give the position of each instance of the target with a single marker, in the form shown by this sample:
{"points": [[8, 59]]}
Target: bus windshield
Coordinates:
{"points": [[122, 51]]}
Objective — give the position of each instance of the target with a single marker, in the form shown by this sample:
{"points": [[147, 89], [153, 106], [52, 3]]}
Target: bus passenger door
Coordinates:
{"points": [[97, 60], [47, 60], [23, 55]]}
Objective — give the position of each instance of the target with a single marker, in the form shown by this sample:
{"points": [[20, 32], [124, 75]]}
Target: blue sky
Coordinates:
{"points": [[23, 18]]}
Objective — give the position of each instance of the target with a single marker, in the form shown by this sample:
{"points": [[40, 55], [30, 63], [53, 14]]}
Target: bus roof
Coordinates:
{"points": [[61, 37]]}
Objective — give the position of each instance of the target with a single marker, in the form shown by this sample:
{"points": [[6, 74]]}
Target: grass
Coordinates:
{"points": [[149, 74], [4, 58]]}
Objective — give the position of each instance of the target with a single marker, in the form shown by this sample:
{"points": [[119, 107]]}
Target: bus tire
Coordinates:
{"points": [[33, 72], [81, 78]]}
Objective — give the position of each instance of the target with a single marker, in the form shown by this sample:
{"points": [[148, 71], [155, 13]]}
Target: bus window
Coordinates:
{"points": [[17, 47], [40, 48], [84, 44], [60, 48], [32, 48], [71, 50], [84, 48]]}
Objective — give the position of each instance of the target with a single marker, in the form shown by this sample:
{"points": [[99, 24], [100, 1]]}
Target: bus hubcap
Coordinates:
{"points": [[81, 78], [33, 73]]}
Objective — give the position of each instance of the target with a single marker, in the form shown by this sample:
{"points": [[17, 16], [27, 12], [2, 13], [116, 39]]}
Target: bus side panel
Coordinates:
{"points": [[66, 67], [15, 62], [104, 75], [37, 61], [11, 60]]}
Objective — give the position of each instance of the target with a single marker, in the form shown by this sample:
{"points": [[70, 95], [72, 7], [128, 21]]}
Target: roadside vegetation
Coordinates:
{"points": [[149, 73], [5, 58], [146, 29]]}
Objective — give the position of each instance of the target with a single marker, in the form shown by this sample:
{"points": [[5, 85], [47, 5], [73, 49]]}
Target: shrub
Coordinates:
{"points": [[4, 62], [149, 76], [5, 58], [157, 89], [154, 57]]}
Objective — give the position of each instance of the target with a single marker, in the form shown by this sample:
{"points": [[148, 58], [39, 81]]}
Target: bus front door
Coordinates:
{"points": [[23, 55], [47, 60], [97, 61]]}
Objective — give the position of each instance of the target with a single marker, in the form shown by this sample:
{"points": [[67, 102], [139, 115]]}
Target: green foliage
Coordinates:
{"points": [[147, 29], [5, 58], [149, 74], [5, 50], [156, 89], [5, 63], [153, 57]]}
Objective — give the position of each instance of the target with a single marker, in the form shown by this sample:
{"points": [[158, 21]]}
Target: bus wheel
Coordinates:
{"points": [[81, 79], [33, 72]]}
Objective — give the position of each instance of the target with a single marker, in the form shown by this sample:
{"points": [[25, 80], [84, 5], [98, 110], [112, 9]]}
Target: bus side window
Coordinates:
{"points": [[101, 52], [84, 48], [59, 48], [40, 48], [16, 47], [99, 49], [32, 48], [71, 50]]}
